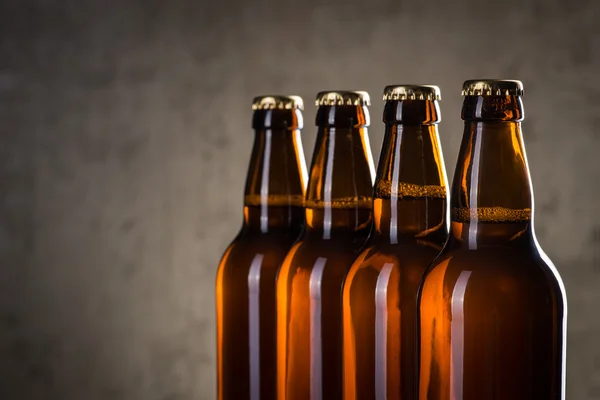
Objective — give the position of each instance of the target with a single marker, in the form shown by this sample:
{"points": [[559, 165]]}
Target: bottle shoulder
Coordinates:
{"points": [[519, 254], [376, 254], [498, 269], [310, 252], [246, 249], [404, 263]]}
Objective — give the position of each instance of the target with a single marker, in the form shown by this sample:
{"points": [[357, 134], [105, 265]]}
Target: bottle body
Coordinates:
{"points": [[492, 307], [379, 334], [246, 277], [309, 284], [246, 311], [492, 322], [310, 349], [410, 227]]}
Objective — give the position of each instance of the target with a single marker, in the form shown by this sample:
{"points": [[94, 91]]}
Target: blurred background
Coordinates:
{"points": [[125, 138]]}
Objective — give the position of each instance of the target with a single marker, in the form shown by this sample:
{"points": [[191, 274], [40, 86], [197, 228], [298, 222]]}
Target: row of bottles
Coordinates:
{"points": [[364, 286]]}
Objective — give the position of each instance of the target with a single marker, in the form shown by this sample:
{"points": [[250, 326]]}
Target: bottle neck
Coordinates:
{"points": [[338, 199], [492, 198], [276, 181], [411, 185]]}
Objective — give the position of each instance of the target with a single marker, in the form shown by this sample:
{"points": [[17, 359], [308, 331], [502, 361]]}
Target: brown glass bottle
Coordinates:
{"points": [[492, 306], [273, 219], [410, 227], [338, 217]]}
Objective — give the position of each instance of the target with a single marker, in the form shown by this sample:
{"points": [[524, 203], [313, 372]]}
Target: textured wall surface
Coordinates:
{"points": [[124, 142]]}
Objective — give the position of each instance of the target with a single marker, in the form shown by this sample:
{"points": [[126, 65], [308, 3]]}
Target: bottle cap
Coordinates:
{"points": [[411, 92], [492, 87], [343, 98], [277, 102]]}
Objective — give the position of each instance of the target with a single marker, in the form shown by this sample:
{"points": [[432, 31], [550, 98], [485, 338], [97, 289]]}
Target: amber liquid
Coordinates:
{"points": [[309, 312], [246, 290], [492, 307], [380, 299], [338, 208], [246, 278], [410, 226]]}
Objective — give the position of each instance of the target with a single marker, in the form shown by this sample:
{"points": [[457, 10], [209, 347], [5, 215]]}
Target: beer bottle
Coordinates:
{"points": [[273, 219], [410, 227], [492, 306], [338, 217]]}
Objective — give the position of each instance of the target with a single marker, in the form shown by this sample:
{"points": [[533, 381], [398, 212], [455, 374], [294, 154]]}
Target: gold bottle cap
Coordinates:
{"points": [[492, 87], [277, 102], [343, 98], [411, 92]]}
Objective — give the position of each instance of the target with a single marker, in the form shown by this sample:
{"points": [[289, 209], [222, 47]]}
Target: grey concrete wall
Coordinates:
{"points": [[124, 141]]}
